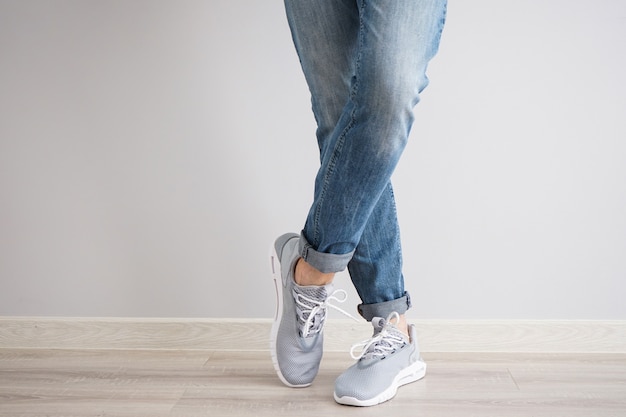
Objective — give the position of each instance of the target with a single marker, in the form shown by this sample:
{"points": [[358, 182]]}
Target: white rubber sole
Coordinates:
{"points": [[412, 373], [278, 285]]}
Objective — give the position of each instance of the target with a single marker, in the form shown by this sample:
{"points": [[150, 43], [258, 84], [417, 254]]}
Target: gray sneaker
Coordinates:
{"points": [[388, 360], [296, 339]]}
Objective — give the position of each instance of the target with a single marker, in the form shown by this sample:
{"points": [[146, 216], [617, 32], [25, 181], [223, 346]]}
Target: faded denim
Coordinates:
{"points": [[365, 64]]}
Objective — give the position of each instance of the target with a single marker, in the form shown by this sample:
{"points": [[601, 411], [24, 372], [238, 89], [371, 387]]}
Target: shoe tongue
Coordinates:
{"points": [[315, 292], [311, 297]]}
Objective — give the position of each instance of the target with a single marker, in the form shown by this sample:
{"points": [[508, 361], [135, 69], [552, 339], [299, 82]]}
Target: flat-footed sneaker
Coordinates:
{"points": [[297, 338], [388, 360]]}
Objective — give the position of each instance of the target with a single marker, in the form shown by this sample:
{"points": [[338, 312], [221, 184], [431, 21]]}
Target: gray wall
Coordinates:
{"points": [[150, 151]]}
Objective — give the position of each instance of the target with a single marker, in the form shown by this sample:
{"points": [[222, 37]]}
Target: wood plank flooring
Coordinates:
{"points": [[49, 382]]}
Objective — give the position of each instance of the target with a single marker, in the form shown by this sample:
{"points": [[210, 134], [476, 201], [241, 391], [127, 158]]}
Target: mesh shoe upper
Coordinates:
{"points": [[297, 332], [388, 360]]}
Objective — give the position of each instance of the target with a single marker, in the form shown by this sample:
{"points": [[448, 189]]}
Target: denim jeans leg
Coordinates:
{"points": [[325, 34], [365, 65], [376, 267]]}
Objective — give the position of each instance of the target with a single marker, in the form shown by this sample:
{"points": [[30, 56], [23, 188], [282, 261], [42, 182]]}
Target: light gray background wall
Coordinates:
{"points": [[150, 151]]}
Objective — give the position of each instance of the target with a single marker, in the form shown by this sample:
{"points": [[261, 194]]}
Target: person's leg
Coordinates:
{"points": [[396, 41], [376, 267], [359, 150], [325, 33], [353, 216]]}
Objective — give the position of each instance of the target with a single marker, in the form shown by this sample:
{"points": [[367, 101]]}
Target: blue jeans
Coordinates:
{"points": [[365, 64]]}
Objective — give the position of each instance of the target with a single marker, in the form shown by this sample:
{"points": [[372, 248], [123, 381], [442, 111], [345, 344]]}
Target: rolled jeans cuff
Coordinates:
{"points": [[385, 308], [323, 262]]}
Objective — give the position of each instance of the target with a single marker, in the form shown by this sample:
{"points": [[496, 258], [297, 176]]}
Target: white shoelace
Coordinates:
{"points": [[309, 308], [385, 342]]}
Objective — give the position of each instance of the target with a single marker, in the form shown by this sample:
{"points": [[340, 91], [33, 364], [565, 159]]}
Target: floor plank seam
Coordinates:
{"points": [[513, 378]]}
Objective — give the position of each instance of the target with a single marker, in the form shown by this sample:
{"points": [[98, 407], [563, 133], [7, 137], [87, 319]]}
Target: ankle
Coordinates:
{"points": [[305, 275], [402, 325]]}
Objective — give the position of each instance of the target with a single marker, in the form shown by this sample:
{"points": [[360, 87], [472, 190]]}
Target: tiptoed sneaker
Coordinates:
{"points": [[388, 360], [296, 339]]}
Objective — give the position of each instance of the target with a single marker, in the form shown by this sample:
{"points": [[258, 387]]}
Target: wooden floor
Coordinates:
{"points": [[47, 382]]}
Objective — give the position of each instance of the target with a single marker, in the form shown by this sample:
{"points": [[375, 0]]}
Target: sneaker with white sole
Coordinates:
{"points": [[388, 360], [297, 338]]}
